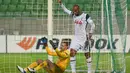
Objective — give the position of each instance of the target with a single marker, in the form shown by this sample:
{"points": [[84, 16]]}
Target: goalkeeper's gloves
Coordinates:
{"points": [[53, 44], [45, 41]]}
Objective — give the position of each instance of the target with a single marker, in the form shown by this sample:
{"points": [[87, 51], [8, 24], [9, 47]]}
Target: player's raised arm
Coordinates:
{"points": [[64, 8], [58, 52], [48, 50]]}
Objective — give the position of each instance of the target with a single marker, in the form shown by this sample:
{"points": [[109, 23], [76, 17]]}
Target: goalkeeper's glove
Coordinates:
{"points": [[45, 41], [53, 44]]}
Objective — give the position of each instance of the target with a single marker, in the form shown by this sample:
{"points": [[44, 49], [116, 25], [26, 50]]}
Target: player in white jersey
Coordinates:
{"points": [[81, 21]]}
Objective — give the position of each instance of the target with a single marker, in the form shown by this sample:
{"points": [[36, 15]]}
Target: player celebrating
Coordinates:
{"points": [[59, 66], [81, 21]]}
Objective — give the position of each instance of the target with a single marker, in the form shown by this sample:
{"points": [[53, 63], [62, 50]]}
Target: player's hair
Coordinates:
{"points": [[67, 41], [76, 6]]}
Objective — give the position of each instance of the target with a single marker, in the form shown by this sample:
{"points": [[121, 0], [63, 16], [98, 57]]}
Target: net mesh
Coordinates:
{"points": [[31, 21], [115, 18]]}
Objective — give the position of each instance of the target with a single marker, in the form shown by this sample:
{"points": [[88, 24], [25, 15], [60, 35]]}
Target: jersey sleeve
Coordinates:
{"points": [[64, 54], [51, 52], [66, 10], [91, 23]]}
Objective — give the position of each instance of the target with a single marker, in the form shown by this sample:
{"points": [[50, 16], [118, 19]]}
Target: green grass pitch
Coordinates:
{"points": [[8, 62]]}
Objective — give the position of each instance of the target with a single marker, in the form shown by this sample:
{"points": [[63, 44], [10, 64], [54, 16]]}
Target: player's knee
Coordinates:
{"points": [[72, 52], [47, 61], [87, 55], [39, 61], [44, 63]]}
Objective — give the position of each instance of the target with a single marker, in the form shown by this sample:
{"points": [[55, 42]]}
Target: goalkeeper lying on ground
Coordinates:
{"points": [[58, 67]]}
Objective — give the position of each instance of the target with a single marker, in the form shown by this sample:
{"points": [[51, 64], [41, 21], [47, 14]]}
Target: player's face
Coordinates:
{"points": [[64, 46], [72, 52], [76, 10]]}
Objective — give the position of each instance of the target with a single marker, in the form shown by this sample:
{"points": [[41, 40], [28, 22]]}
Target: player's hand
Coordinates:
{"points": [[45, 41], [53, 44], [59, 1], [90, 36]]}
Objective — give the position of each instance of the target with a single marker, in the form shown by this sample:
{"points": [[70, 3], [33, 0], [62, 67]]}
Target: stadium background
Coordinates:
{"points": [[29, 17]]}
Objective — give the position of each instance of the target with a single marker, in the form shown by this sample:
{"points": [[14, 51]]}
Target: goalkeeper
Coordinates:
{"points": [[58, 67]]}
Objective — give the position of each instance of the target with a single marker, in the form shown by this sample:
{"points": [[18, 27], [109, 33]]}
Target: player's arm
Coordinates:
{"points": [[50, 51], [59, 53], [64, 8], [92, 25], [62, 54]]}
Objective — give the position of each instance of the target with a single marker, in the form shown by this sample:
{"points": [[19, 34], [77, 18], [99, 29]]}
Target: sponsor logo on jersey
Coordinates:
{"points": [[78, 22]]}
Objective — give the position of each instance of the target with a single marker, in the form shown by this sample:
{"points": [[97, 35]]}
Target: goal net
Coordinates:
{"points": [[115, 26], [31, 20], [109, 40]]}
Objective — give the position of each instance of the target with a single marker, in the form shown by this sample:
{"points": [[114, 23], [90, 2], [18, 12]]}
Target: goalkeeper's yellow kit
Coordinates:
{"points": [[64, 57]]}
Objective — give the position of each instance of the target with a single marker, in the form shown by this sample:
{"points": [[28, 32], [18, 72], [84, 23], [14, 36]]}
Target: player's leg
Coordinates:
{"points": [[74, 47], [58, 69], [50, 67], [47, 65], [73, 60], [87, 54], [41, 65], [88, 61], [21, 69], [34, 64], [73, 50], [24, 70]]}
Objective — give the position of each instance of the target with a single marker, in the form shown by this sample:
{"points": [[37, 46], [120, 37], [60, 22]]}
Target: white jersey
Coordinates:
{"points": [[80, 27], [81, 23]]}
